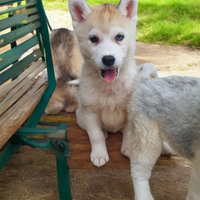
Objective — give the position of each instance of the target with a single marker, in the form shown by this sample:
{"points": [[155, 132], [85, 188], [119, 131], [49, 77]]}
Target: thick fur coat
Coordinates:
{"points": [[67, 62], [106, 35], [163, 109]]}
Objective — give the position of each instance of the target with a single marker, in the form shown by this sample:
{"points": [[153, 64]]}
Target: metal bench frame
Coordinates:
{"points": [[47, 132]]}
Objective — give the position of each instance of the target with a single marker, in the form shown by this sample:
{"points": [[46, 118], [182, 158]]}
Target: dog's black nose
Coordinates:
{"points": [[108, 60]]}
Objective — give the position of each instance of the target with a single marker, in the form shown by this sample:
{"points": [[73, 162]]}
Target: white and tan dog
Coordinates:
{"points": [[106, 35], [163, 109]]}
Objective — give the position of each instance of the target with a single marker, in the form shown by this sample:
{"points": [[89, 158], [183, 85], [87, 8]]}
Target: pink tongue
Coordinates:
{"points": [[110, 75]]}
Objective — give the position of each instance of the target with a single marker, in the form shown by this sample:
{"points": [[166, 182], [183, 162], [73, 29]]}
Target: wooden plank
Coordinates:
{"points": [[22, 81], [20, 89], [60, 118], [9, 127], [19, 66], [14, 54], [18, 33], [5, 89], [12, 21], [27, 97], [80, 149]]}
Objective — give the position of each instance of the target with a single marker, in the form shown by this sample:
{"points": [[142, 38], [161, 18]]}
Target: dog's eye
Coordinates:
{"points": [[119, 37], [94, 39]]}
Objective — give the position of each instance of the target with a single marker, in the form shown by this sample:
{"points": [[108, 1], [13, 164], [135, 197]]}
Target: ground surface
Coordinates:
{"points": [[31, 173]]}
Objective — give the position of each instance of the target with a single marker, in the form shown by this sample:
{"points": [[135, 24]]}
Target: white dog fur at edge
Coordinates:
{"points": [[163, 109], [106, 35]]}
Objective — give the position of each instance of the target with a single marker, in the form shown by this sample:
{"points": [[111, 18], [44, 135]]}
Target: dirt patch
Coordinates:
{"points": [[62, 19], [169, 60], [31, 173]]}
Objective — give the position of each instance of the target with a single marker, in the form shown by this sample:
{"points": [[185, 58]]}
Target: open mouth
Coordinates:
{"points": [[109, 75]]}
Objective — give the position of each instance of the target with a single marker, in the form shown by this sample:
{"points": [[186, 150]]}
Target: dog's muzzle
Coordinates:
{"points": [[109, 74]]}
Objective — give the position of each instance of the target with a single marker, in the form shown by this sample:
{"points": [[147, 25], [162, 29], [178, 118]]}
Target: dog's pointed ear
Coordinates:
{"points": [[79, 10], [129, 9]]}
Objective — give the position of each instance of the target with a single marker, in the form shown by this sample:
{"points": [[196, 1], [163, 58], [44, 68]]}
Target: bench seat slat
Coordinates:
{"points": [[20, 89], [12, 21], [40, 82], [14, 54], [22, 111], [20, 65], [25, 91], [6, 89], [11, 9]]}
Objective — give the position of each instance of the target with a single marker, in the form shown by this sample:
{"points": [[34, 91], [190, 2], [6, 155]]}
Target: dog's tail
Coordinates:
{"points": [[74, 82], [148, 70], [73, 88]]}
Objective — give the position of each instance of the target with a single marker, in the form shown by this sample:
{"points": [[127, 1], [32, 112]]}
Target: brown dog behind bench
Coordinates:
{"points": [[67, 61]]}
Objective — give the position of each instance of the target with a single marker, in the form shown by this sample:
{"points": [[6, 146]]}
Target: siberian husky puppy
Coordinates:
{"points": [[106, 35], [163, 109]]}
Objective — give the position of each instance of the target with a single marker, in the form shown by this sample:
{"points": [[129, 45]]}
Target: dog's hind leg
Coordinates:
{"points": [[54, 107], [124, 147], [145, 147], [92, 124], [166, 149], [194, 183]]}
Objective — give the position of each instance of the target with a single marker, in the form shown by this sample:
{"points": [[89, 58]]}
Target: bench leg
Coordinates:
{"points": [[60, 146], [63, 176], [8, 151]]}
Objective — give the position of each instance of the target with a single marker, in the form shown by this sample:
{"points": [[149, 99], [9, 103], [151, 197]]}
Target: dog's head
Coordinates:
{"points": [[106, 34]]}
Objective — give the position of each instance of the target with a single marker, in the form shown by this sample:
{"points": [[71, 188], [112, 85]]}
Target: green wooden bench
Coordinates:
{"points": [[27, 82]]}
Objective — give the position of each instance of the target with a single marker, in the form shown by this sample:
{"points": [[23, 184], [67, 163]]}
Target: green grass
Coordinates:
{"points": [[170, 22], [166, 21], [55, 4], [62, 4]]}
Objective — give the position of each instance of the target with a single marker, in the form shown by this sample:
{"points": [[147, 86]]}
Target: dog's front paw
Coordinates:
{"points": [[99, 159]]}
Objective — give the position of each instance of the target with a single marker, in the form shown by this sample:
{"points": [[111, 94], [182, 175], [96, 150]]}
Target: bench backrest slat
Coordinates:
{"points": [[12, 9], [14, 54], [12, 21], [8, 1], [16, 20], [17, 34], [2, 2], [24, 42], [31, 11], [20, 65], [33, 18]]}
